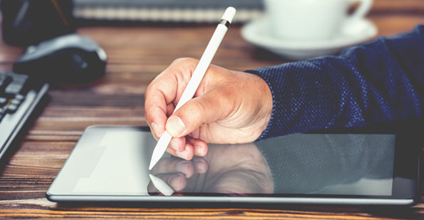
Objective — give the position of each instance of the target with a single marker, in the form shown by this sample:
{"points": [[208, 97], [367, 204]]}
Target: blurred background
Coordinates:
{"points": [[27, 22]]}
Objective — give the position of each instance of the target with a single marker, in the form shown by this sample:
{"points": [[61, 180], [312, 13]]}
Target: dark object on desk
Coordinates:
{"points": [[20, 96], [27, 22], [70, 58]]}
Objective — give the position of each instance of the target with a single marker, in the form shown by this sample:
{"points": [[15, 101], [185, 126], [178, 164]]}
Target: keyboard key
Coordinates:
{"points": [[17, 85], [3, 101], [12, 108], [15, 102], [17, 76], [19, 97], [4, 81], [14, 88]]}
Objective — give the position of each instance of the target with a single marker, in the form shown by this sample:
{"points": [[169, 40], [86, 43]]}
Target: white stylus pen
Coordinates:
{"points": [[196, 78]]}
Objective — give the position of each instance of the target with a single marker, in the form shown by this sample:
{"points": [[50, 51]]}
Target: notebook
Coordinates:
{"points": [[185, 11]]}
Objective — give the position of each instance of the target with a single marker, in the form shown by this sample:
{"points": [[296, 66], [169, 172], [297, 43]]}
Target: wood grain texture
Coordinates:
{"points": [[136, 54]]}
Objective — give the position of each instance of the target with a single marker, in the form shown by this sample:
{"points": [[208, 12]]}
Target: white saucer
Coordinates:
{"points": [[258, 32]]}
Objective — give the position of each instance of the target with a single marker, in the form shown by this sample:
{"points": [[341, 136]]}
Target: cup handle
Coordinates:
{"points": [[364, 7]]}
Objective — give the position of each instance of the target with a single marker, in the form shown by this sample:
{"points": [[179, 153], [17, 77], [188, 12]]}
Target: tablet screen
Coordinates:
{"points": [[113, 161]]}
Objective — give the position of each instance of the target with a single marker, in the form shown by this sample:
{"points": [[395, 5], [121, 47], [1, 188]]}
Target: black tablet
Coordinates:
{"points": [[110, 164]]}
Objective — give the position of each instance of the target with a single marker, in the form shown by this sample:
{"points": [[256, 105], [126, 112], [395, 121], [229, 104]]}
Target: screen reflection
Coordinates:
{"points": [[228, 169], [341, 164]]}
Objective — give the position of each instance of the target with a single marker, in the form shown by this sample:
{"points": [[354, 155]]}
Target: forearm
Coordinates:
{"points": [[382, 81]]}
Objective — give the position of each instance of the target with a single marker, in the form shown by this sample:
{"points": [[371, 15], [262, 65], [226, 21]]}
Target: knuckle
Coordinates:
{"points": [[184, 63], [184, 60], [198, 109]]}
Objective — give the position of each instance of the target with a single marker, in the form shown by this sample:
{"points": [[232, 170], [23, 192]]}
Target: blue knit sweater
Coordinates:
{"points": [[381, 81]]}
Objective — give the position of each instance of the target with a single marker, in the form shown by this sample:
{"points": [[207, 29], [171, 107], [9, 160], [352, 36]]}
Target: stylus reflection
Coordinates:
{"points": [[164, 188], [353, 164]]}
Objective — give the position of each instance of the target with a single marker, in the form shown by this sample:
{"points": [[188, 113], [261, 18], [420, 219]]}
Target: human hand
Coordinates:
{"points": [[229, 169], [228, 107]]}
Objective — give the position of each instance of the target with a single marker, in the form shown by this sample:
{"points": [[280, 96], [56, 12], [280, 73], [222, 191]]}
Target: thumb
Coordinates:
{"points": [[196, 112]]}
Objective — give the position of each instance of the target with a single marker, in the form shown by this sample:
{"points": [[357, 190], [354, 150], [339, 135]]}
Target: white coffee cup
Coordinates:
{"points": [[312, 19]]}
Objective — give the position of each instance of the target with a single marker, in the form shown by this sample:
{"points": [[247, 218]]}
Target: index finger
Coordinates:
{"points": [[164, 91], [159, 95]]}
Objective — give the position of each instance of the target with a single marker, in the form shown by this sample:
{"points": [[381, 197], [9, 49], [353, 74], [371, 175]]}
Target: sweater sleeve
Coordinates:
{"points": [[381, 81]]}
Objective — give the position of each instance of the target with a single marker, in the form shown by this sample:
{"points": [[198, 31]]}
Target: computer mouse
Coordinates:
{"points": [[69, 58]]}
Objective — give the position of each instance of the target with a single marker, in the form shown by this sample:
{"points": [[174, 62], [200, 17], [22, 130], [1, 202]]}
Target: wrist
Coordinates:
{"points": [[266, 105]]}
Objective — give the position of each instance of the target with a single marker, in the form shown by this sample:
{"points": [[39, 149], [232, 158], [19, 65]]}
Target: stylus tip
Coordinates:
{"points": [[160, 149], [152, 164]]}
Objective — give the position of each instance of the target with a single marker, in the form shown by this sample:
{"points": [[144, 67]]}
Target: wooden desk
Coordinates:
{"points": [[136, 54]]}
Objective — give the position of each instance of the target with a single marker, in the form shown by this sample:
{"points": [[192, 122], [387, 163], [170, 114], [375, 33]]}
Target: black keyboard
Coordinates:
{"points": [[19, 98]]}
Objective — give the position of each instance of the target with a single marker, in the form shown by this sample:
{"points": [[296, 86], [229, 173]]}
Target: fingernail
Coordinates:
{"points": [[200, 151], [182, 154], [175, 126]]}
